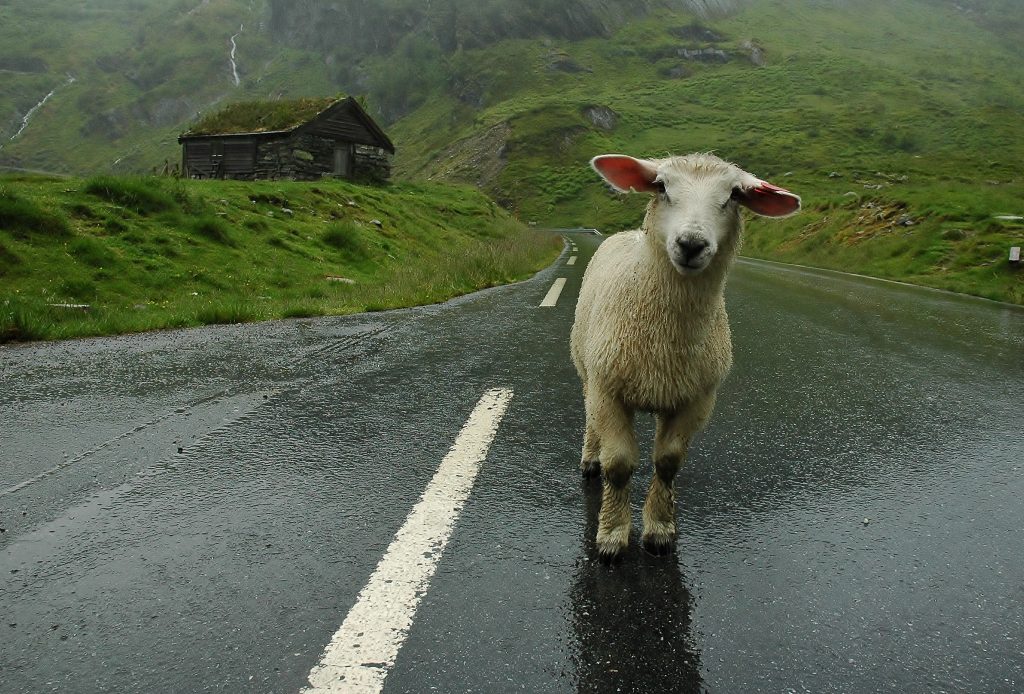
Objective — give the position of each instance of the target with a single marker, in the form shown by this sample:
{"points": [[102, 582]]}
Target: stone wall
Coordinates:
{"points": [[305, 157], [372, 163]]}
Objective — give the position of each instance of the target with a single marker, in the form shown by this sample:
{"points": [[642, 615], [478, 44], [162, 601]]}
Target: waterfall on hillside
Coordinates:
{"points": [[32, 111], [234, 52]]}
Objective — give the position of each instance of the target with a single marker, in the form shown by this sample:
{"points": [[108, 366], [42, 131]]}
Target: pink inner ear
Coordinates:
{"points": [[626, 173], [770, 200]]}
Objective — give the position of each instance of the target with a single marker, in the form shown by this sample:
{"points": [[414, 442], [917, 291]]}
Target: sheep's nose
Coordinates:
{"points": [[691, 248]]}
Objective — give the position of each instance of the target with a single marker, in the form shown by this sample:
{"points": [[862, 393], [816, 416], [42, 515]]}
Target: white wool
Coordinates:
{"points": [[649, 336]]}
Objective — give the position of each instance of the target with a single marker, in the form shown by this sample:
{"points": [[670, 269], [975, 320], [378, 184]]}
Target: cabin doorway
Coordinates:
{"points": [[343, 161]]}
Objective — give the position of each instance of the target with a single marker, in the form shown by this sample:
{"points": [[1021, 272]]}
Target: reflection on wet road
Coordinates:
{"points": [[200, 510]]}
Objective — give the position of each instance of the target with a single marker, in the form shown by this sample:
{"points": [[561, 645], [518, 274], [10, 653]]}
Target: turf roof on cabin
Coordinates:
{"points": [[261, 116]]}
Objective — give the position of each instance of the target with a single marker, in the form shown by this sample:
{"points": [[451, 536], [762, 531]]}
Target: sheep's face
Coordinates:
{"points": [[695, 213]]}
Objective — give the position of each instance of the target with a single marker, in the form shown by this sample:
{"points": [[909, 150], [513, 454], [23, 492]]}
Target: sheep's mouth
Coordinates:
{"points": [[692, 266]]}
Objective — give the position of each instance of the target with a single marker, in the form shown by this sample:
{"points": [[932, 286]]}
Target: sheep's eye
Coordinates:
{"points": [[735, 195]]}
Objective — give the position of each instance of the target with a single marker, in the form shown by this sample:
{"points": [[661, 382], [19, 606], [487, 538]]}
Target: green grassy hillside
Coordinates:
{"points": [[899, 124], [114, 254]]}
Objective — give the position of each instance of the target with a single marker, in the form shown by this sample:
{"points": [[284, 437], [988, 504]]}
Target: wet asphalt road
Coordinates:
{"points": [[198, 510]]}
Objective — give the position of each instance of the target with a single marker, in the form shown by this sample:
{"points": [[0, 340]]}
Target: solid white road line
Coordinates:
{"points": [[572, 261], [552, 296], [365, 647]]}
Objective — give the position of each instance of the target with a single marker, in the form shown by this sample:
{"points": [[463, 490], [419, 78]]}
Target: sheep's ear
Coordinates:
{"points": [[626, 173], [768, 200]]}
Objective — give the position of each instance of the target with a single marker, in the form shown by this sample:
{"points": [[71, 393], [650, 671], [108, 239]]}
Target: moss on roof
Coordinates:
{"points": [[261, 116]]}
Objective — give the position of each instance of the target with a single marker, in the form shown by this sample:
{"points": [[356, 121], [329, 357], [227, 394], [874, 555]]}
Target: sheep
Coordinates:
{"points": [[651, 333]]}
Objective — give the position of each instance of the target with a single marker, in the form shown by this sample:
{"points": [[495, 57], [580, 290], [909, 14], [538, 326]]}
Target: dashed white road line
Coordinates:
{"points": [[364, 649], [552, 296], [571, 261]]}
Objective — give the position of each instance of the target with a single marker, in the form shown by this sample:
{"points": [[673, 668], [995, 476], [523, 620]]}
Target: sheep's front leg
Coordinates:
{"points": [[590, 460], [672, 438], [613, 425]]}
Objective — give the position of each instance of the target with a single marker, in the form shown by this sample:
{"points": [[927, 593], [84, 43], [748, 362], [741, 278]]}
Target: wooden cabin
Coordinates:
{"points": [[304, 140]]}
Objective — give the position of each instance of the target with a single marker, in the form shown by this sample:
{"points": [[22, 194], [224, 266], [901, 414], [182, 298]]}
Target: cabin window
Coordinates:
{"points": [[343, 161]]}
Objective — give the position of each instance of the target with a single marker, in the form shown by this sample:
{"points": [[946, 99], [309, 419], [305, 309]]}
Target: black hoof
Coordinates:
{"points": [[610, 558], [658, 548], [590, 469]]}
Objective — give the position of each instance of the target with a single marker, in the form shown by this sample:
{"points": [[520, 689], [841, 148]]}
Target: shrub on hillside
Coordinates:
{"points": [[213, 228], [139, 195], [24, 219], [8, 259], [19, 323], [91, 252], [347, 238], [81, 210], [178, 189], [78, 289]]}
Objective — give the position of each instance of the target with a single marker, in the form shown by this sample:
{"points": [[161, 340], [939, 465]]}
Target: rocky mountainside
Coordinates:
{"points": [[399, 51], [355, 27]]}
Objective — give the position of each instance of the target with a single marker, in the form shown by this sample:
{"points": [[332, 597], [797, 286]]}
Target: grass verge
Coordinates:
{"points": [[109, 256]]}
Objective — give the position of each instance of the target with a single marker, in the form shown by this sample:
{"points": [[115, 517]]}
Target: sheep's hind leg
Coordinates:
{"points": [[672, 438], [590, 462], [613, 425]]}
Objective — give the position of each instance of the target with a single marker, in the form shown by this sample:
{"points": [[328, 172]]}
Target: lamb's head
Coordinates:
{"points": [[695, 212]]}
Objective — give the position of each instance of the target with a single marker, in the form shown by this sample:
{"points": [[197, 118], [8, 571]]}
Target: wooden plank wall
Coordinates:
{"points": [[341, 124], [301, 155]]}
